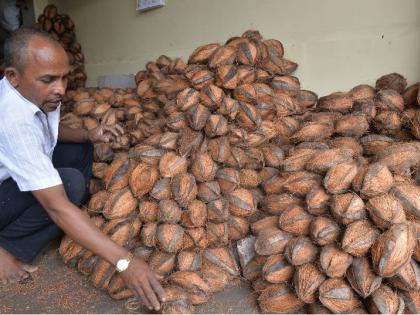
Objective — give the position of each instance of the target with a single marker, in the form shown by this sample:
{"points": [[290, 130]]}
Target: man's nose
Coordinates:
{"points": [[60, 87]]}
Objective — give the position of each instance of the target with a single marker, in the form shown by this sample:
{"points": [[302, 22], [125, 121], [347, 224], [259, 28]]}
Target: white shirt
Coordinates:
{"points": [[27, 141]]}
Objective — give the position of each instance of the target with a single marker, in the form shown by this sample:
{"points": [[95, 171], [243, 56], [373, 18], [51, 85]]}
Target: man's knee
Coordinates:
{"points": [[74, 184]]}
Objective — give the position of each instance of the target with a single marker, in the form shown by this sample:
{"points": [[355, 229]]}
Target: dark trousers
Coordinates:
{"points": [[25, 227]]}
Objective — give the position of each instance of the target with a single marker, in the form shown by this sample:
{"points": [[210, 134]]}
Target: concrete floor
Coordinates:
{"points": [[56, 288]]}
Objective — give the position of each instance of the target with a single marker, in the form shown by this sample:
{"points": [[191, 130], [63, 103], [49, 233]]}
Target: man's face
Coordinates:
{"points": [[43, 79]]}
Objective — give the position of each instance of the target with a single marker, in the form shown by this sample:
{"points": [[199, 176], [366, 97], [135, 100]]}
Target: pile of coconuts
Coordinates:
{"points": [[229, 169]]}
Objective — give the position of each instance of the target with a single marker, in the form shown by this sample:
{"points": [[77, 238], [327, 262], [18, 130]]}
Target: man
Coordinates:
{"points": [[42, 182]]}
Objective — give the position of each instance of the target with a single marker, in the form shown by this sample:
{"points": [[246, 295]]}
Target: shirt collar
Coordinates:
{"points": [[35, 109]]}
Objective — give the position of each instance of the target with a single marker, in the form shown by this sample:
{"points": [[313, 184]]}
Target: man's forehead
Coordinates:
{"points": [[45, 56]]}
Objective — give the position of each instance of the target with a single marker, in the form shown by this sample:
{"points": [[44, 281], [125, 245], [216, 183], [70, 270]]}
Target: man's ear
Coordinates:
{"points": [[12, 75]]}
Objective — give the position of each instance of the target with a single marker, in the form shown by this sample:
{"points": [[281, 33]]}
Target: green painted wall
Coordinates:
{"points": [[337, 43]]}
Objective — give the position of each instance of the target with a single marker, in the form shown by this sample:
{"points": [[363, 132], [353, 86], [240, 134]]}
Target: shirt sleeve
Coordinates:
{"points": [[21, 152]]}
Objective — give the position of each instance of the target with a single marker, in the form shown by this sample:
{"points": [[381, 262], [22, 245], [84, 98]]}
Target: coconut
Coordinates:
{"points": [[277, 270], [162, 189], [97, 202], [184, 188], [117, 175], [195, 237], [209, 191], [408, 277], [411, 300], [324, 231], [348, 208], [218, 210], [372, 144], [385, 301], [198, 290], [317, 201], [171, 165], [409, 197], [142, 179], [362, 278], [217, 234], [271, 241], [338, 296], [203, 167], [252, 271], [242, 202], [228, 179], [301, 183], [120, 204], [189, 261], [148, 211], [313, 131], [388, 99], [323, 160], [227, 77], [238, 227], [278, 298], [359, 237], [177, 301], [334, 262], [169, 212], [300, 250], [162, 263], [385, 210], [298, 159], [263, 224], [339, 177], [306, 281], [392, 81], [362, 91], [338, 101], [393, 249], [195, 215], [201, 54], [222, 258], [295, 220], [377, 180], [352, 125]]}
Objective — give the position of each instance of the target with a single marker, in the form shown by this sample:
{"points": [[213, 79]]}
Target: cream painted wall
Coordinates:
{"points": [[337, 43]]}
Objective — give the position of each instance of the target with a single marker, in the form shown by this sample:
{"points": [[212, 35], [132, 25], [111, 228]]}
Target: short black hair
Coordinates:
{"points": [[15, 50]]}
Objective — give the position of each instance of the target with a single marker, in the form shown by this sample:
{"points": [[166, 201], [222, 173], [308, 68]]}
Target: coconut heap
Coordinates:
{"points": [[229, 168], [61, 27]]}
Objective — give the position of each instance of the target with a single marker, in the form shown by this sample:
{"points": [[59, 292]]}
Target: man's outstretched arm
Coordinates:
{"points": [[138, 276], [102, 133]]}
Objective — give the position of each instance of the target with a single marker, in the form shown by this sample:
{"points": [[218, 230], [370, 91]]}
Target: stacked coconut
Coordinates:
{"points": [[341, 231], [185, 181], [61, 27], [229, 145]]}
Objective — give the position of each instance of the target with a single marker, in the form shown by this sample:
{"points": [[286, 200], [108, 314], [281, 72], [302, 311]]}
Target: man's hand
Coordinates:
{"points": [[144, 283], [105, 133]]}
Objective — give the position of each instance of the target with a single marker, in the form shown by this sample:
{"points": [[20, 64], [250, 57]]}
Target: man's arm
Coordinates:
{"points": [[102, 133], [78, 226], [67, 134]]}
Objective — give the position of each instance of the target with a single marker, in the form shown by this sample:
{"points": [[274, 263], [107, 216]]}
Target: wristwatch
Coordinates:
{"points": [[123, 263]]}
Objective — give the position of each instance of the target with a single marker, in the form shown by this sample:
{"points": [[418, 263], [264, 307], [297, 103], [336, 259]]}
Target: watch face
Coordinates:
{"points": [[122, 264]]}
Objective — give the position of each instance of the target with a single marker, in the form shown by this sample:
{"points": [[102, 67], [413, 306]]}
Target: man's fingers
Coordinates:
{"points": [[120, 129], [111, 129], [158, 288], [143, 298], [151, 296], [158, 276]]}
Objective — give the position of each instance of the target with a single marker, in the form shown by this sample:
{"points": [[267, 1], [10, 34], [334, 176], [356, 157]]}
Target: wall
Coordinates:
{"points": [[337, 43]]}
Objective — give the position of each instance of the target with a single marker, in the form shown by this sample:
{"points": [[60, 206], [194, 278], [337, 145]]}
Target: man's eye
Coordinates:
{"points": [[46, 80]]}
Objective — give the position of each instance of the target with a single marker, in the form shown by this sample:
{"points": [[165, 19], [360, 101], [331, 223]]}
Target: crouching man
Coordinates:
{"points": [[45, 168]]}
